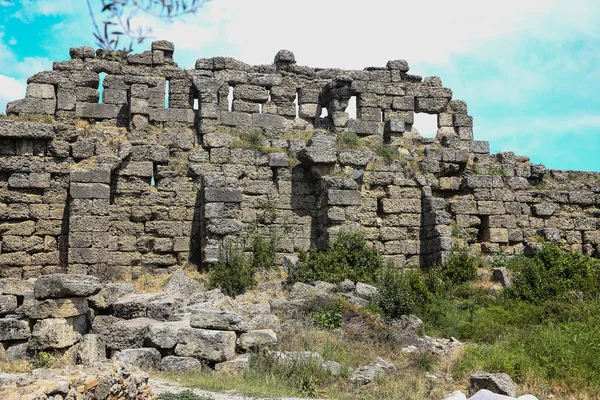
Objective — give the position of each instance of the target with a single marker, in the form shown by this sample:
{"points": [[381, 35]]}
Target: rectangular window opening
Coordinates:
{"points": [[167, 93], [230, 99], [102, 75], [297, 105], [351, 109]]}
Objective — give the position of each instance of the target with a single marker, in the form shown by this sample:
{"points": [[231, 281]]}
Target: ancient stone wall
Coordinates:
{"points": [[172, 162]]}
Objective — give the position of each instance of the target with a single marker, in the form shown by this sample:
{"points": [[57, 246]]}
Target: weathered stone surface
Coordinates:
{"points": [[217, 319], [8, 304], [134, 305], [496, 383], [121, 334], [182, 285], [17, 287], [110, 293], [63, 285], [257, 339], [366, 291], [53, 308], [164, 335], [14, 329], [319, 150], [179, 364], [368, 373], [91, 350], [144, 358], [209, 345], [52, 334]]}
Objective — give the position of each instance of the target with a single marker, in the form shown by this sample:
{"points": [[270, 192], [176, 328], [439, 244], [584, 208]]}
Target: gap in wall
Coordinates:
{"points": [[167, 93], [297, 105], [351, 109], [101, 75], [426, 124], [230, 99]]}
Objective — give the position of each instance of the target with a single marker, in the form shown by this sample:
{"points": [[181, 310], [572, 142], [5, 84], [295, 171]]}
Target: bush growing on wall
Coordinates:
{"points": [[401, 293], [233, 273], [553, 274], [349, 257]]}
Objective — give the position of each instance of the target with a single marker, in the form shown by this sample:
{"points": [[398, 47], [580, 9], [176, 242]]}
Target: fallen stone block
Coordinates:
{"points": [[64, 285], [209, 345]]}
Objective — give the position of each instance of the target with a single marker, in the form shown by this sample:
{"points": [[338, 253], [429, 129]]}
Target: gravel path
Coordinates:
{"points": [[159, 386]]}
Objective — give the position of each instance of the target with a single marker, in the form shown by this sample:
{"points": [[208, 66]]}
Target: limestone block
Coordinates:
{"points": [[223, 320], [66, 285], [308, 110], [216, 140], [278, 160], [109, 294], [52, 334], [8, 304], [319, 150], [82, 52], [251, 93], [114, 96], [269, 121], [396, 206], [223, 195], [498, 235], [83, 149], [133, 305], [91, 350], [430, 105], [14, 329], [257, 339], [483, 181], [480, 147], [179, 364], [79, 190], [544, 209], [87, 95], [53, 308], [209, 345], [463, 120], [366, 127], [143, 169], [343, 197], [144, 358], [96, 111], [40, 91], [16, 352], [121, 334], [162, 308], [31, 106], [182, 115], [223, 226], [155, 153], [164, 335]]}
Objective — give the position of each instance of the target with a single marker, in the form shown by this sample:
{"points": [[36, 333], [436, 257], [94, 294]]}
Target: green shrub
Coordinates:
{"points": [[263, 252], [388, 153], [401, 293], [42, 360], [233, 273], [349, 257], [461, 266], [348, 140], [329, 316], [553, 273], [183, 395], [253, 140]]}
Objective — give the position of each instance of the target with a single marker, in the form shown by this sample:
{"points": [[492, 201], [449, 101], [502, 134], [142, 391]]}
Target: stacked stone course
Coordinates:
{"points": [[158, 173]]}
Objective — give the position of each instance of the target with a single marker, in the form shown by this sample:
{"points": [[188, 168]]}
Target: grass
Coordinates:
{"points": [[47, 119]]}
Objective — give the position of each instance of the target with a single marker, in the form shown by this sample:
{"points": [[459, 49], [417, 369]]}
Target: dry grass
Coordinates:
{"points": [[16, 367]]}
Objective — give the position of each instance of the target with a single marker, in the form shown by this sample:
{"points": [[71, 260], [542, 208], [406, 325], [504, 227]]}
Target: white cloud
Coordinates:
{"points": [[10, 89]]}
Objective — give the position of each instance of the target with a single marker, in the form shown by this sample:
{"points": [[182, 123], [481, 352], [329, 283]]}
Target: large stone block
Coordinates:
{"points": [[182, 115], [40, 91], [52, 334], [397, 206], [96, 111], [121, 334], [8, 304], [257, 339], [366, 127], [79, 190], [64, 285], [343, 197], [208, 345], [144, 358], [53, 308], [14, 329], [179, 364], [164, 335], [223, 195], [91, 350], [223, 320]]}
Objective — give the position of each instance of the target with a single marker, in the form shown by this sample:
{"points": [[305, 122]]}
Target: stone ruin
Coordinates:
{"points": [[161, 171]]}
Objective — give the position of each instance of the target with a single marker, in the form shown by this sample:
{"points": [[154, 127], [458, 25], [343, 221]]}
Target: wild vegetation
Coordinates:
{"points": [[543, 330]]}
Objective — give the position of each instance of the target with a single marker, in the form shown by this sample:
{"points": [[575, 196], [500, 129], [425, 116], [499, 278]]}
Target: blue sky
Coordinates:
{"points": [[529, 70]]}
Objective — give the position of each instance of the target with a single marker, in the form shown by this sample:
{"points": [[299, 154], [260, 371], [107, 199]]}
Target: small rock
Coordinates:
{"points": [[302, 357], [257, 339], [346, 286], [303, 291], [179, 364], [235, 366], [325, 286], [181, 285], [367, 374], [408, 323], [334, 368], [497, 383], [365, 291], [409, 349]]}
